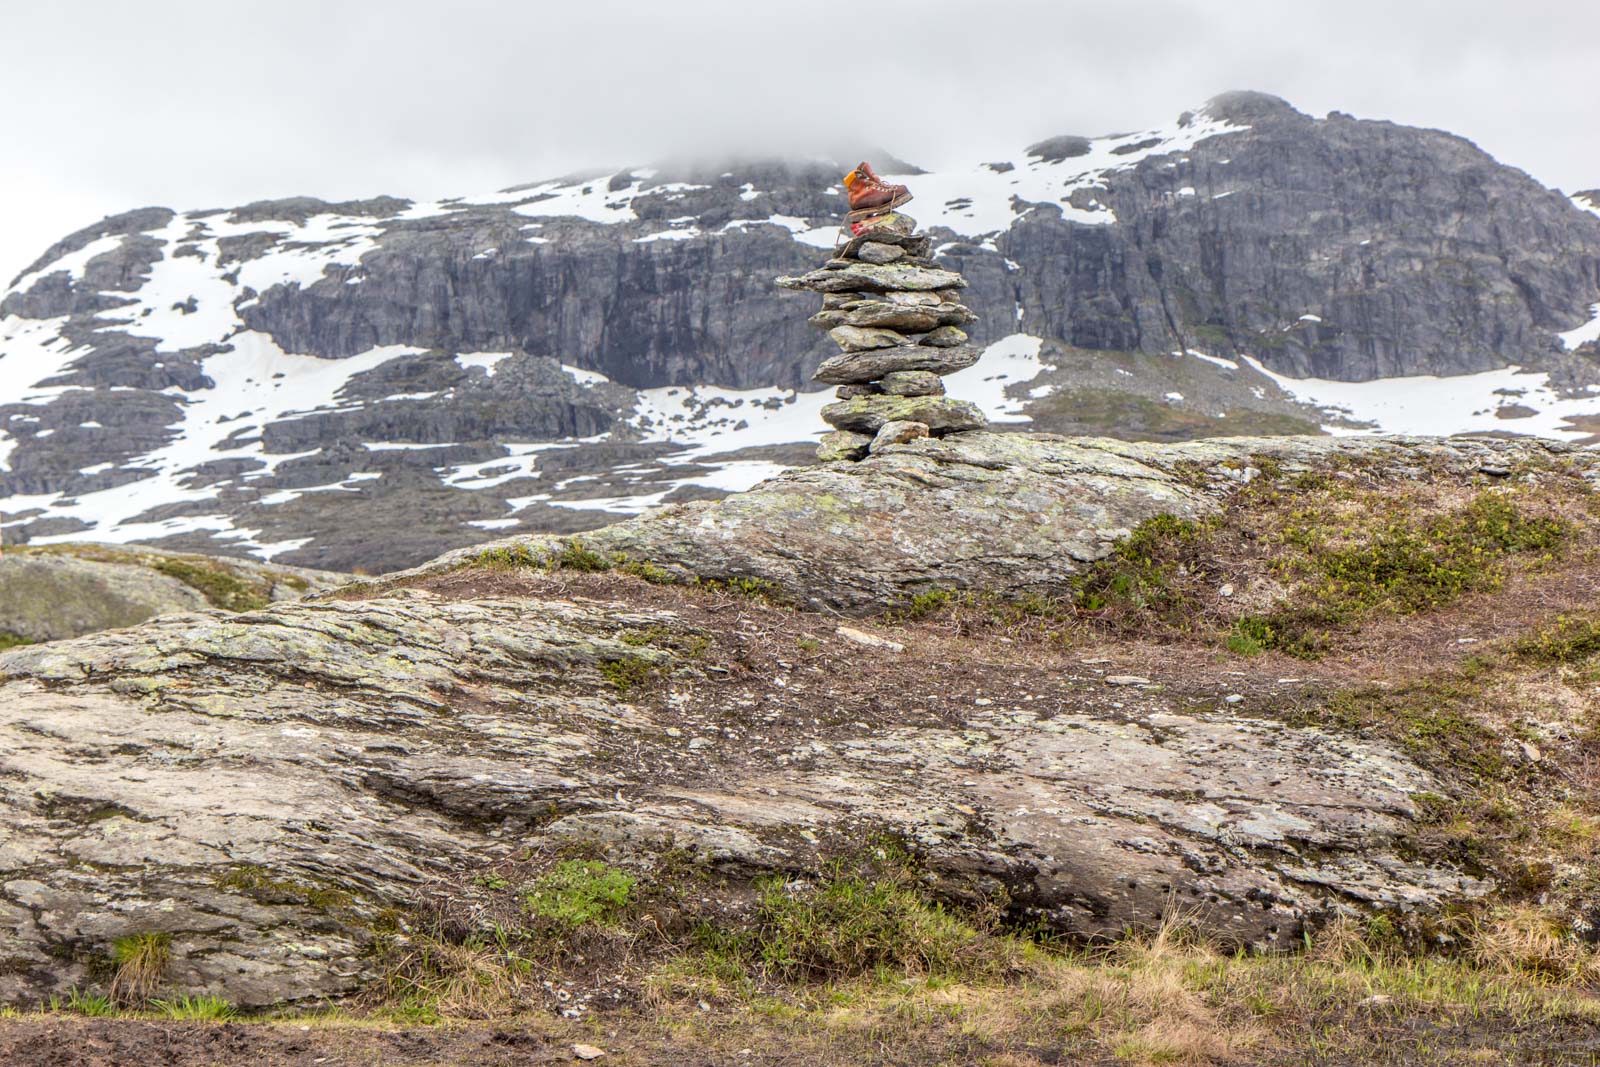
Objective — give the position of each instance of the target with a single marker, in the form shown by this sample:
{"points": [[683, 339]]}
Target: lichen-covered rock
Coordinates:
{"points": [[338, 757], [893, 315], [896, 433], [856, 339], [50, 593], [864, 277], [874, 252], [912, 383], [849, 368], [1010, 514], [842, 444], [868, 414], [943, 337]]}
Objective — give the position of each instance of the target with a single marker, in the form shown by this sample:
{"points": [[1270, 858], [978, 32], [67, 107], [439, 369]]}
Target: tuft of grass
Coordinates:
{"points": [[508, 557], [643, 569], [578, 892], [755, 588], [201, 1007], [849, 924], [11, 640], [92, 1004], [575, 557], [1251, 636], [927, 603], [141, 961]]}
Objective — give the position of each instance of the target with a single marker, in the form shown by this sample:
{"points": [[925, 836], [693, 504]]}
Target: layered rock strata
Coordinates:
{"points": [[262, 790], [896, 317]]}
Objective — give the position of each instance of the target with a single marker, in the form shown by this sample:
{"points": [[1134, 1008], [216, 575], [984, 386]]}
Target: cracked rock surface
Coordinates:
{"points": [[1005, 513], [264, 786]]}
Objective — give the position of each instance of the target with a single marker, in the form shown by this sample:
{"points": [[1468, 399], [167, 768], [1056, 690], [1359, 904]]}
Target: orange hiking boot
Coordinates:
{"points": [[868, 192]]}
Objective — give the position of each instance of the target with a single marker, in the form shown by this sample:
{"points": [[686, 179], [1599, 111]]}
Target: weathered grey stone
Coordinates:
{"points": [[869, 278], [353, 751], [896, 433], [894, 315], [851, 367], [944, 337], [845, 392], [891, 226], [911, 383], [47, 594], [873, 252], [867, 414], [857, 339], [842, 444], [869, 536]]}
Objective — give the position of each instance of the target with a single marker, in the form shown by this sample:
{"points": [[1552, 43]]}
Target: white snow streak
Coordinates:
{"points": [[1428, 405], [1589, 331]]}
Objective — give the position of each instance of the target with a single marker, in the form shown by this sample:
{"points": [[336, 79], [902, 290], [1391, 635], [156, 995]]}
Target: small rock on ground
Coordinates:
{"points": [[861, 637]]}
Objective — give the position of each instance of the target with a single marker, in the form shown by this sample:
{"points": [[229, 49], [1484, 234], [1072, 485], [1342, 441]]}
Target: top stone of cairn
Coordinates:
{"points": [[894, 314]]}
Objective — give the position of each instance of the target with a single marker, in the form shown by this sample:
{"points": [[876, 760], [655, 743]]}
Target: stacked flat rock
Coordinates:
{"points": [[897, 320]]}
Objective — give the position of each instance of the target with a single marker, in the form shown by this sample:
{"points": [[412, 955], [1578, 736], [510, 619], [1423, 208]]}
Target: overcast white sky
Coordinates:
{"points": [[113, 105]]}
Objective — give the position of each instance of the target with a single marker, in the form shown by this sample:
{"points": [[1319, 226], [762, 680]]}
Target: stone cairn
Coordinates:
{"points": [[897, 319]]}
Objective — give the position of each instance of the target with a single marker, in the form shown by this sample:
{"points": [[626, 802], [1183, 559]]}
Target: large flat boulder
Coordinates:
{"points": [[52, 592], [260, 790], [1005, 513]]}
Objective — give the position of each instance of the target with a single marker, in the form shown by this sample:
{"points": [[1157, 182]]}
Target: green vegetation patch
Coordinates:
{"points": [[849, 924], [221, 585], [627, 674], [1336, 552], [1147, 573], [1402, 563], [202, 1007], [1569, 641], [579, 892], [11, 640]]}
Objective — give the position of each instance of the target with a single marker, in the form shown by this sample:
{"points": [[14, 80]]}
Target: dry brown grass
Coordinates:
{"points": [[141, 962], [1524, 940]]}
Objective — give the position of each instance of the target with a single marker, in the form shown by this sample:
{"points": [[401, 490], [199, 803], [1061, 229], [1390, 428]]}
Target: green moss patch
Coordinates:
{"points": [[221, 585]]}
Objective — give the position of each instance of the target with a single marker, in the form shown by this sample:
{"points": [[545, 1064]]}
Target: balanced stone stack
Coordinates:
{"points": [[897, 320]]}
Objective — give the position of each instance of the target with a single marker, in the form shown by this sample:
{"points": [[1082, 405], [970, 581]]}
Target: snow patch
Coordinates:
{"points": [[486, 360], [973, 199], [256, 378], [1589, 331], [1428, 405], [73, 263], [1012, 360], [1225, 364]]}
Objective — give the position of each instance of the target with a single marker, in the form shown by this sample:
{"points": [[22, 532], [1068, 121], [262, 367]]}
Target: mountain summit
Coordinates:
{"points": [[369, 383]]}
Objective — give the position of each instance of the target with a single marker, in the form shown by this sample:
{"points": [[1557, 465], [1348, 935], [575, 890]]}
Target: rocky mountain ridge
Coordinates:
{"points": [[272, 379]]}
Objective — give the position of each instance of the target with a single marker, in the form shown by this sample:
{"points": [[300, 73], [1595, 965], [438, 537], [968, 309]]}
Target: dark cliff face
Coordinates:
{"points": [[424, 341]]}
